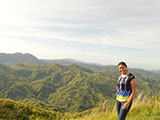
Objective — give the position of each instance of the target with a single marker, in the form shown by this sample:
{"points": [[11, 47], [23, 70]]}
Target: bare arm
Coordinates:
{"points": [[133, 85]]}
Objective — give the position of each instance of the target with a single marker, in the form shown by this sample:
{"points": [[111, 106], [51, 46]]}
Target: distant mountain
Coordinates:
{"points": [[67, 62], [156, 72], [16, 58], [63, 62], [19, 58]]}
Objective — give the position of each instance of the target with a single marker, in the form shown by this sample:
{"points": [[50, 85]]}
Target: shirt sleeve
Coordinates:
{"points": [[132, 77]]}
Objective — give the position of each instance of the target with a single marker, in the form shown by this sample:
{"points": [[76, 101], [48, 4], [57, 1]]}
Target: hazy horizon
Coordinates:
{"points": [[82, 61], [97, 31]]}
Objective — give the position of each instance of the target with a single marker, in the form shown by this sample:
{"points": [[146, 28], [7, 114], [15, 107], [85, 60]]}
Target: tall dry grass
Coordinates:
{"points": [[143, 108]]}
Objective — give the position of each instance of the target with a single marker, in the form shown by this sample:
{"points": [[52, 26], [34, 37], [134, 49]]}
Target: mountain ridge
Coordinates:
{"points": [[20, 58]]}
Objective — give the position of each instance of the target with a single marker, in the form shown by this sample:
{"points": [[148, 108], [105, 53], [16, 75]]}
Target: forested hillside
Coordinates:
{"points": [[67, 88]]}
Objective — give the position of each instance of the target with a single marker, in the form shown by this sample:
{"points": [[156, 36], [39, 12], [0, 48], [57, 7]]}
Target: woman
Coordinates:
{"points": [[125, 92]]}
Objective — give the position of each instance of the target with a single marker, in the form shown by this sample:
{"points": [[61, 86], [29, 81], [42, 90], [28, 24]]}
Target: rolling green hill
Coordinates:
{"points": [[70, 88]]}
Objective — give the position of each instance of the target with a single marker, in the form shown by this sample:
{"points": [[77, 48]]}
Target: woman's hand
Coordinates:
{"points": [[125, 106]]}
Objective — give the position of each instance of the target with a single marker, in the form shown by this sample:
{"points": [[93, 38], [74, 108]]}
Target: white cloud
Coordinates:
{"points": [[132, 24]]}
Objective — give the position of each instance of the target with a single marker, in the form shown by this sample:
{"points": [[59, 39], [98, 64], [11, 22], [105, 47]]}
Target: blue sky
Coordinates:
{"points": [[96, 31]]}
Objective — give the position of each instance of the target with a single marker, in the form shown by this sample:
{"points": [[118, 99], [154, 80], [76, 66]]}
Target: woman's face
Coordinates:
{"points": [[122, 69]]}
